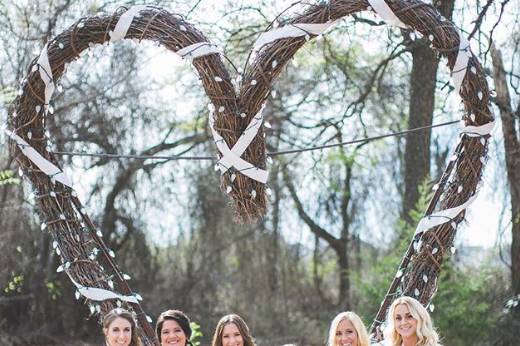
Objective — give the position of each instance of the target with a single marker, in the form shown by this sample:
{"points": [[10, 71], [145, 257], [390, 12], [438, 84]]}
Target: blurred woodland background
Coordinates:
{"points": [[339, 219]]}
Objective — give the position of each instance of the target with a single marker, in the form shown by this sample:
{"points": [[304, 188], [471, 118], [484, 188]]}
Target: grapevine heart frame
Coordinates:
{"points": [[235, 121]]}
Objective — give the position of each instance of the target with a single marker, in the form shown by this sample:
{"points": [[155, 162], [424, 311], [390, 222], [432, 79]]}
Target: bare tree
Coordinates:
{"points": [[420, 113], [510, 127]]}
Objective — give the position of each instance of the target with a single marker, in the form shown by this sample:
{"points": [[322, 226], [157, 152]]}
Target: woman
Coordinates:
{"points": [[120, 329], [173, 328], [231, 330], [409, 324], [347, 329]]}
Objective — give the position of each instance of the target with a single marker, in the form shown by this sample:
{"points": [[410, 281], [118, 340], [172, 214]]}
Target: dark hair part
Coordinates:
{"points": [[242, 328], [127, 315], [177, 316]]}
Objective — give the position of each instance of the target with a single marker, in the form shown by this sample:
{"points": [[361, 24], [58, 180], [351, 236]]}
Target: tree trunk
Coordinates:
{"points": [[422, 99], [344, 279], [422, 102], [510, 121]]}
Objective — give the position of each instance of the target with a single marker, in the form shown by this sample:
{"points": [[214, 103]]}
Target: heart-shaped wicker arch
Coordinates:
{"points": [[75, 235]]}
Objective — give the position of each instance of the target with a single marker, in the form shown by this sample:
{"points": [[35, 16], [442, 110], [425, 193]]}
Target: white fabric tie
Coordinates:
{"points": [[478, 131], [197, 50], [231, 157], [46, 76], [124, 22], [42, 163], [461, 64], [441, 217], [99, 294], [290, 30], [382, 9]]}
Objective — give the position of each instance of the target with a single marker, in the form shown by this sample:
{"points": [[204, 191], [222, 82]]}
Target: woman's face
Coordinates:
{"points": [[404, 322], [231, 336], [346, 334], [119, 332], [172, 334]]}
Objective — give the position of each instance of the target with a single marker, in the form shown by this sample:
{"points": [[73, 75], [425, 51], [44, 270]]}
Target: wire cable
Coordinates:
{"points": [[272, 154]]}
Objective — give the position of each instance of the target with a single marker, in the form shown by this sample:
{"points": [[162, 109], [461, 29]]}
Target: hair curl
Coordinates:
{"points": [[426, 334]]}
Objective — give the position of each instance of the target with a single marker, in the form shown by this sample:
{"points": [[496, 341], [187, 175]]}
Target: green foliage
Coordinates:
{"points": [[464, 314], [7, 95], [341, 156], [7, 178], [196, 333], [373, 283], [463, 309], [14, 285], [192, 125], [406, 230], [53, 289]]}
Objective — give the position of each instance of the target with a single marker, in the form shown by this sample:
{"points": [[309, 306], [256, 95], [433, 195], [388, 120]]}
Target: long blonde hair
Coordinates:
{"points": [[358, 325], [426, 334]]}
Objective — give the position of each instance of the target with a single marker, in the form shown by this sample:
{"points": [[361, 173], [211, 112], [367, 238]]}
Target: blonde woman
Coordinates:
{"points": [[409, 324], [347, 329]]}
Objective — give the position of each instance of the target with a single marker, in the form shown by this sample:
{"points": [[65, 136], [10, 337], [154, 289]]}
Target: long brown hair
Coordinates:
{"points": [[242, 328], [127, 315]]}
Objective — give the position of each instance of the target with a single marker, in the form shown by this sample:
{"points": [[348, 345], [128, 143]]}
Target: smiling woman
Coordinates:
{"points": [[231, 330], [235, 119], [347, 329], [409, 324], [173, 328], [119, 328]]}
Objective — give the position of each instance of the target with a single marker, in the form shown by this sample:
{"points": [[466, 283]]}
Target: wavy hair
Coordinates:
{"points": [[426, 334], [358, 325], [127, 315], [242, 328]]}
